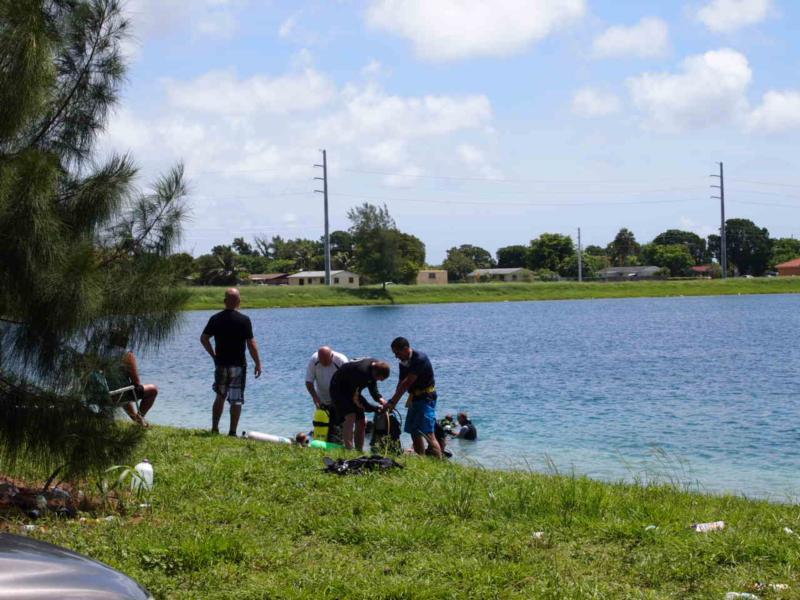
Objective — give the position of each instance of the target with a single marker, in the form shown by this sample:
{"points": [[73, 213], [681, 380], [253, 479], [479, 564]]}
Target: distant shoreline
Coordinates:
{"points": [[206, 298]]}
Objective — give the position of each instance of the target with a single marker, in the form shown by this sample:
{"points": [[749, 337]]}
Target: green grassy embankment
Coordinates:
{"points": [[232, 518], [291, 296]]}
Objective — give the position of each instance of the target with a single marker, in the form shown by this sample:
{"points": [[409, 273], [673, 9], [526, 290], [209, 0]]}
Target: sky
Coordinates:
{"points": [[484, 123]]}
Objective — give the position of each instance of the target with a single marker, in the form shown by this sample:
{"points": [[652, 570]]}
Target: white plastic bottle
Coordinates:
{"points": [[143, 480]]}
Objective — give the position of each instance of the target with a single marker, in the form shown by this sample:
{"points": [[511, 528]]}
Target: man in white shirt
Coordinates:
{"points": [[323, 364]]}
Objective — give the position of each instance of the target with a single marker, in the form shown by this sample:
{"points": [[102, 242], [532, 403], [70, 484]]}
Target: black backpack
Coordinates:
{"points": [[386, 430]]}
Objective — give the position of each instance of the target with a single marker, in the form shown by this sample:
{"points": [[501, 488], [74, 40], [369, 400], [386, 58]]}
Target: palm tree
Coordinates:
{"points": [[623, 247]]}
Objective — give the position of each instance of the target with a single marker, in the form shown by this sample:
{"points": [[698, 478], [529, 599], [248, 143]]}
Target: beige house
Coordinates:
{"points": [[509, 275], [432, 277], [344, 279]]}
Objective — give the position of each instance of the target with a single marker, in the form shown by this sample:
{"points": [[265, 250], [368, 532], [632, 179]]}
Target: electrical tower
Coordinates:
{"points": [[723, 238], [324, 192]]}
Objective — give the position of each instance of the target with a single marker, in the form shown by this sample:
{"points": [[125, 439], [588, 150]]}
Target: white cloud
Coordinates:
{"points": [[591, 102], [473, 157], [728, 16], [703, 231], [368, 110], [386, 153], [287, 27], [404, 178], [218, 24], [709, 89], [221, 92], [157, 18], [778, 112], [239, 128], [374, 69], [648, 38], [444, 30]]}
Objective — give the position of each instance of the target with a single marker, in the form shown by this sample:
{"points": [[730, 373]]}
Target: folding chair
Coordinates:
{"points": [[97, 387]]}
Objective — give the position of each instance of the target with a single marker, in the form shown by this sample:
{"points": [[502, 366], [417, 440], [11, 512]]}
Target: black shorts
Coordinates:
{"points": [[343, 405]]}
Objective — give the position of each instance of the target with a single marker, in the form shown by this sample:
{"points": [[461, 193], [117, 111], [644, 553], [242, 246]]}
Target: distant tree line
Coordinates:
{"points": [[377, 250], [750, 251], [373, 247]]}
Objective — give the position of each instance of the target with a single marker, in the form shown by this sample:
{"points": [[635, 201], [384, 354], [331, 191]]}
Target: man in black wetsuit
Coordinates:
{"points": [[350, 406], [416, 378], [468, 431], [232, 331]]}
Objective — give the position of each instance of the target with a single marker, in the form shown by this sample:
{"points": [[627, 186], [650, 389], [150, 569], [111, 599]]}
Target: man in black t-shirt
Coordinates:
{"points": [[349, 405], [416, 379], [232, 332]]}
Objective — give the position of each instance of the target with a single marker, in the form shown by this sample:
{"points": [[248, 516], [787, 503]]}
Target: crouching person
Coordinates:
{"points": [[349, 404]]}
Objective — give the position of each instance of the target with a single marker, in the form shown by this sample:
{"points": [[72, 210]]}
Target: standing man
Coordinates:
{"points": [[232, 331], [323, 364], [416, 378], [349, 405]]}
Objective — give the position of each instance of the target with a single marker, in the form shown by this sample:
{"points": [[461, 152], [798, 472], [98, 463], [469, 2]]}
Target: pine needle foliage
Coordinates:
{"points": [[83, 252]]}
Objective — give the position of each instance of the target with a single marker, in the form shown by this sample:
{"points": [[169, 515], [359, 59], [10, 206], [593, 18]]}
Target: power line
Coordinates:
{"points": [[505, 203], [761, 193], [769, 183], [756, 203], [551, 192], [255, 197], [498, 180]]}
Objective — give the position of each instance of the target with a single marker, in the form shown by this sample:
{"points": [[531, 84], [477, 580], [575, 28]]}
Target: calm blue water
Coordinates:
{"points": [[705, 391]]}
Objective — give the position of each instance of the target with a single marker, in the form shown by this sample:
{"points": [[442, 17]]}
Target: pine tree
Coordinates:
{"points": [[83, 254]]}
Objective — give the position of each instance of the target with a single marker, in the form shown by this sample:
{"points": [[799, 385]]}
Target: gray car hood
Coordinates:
{"points": [[34, 570]]}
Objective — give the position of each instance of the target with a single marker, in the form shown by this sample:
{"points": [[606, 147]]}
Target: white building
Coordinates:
{"points": [[344, 279], [511, 274]]}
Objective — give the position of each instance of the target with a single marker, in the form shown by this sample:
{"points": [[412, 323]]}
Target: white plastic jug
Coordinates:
{"points": [[144, 479]]}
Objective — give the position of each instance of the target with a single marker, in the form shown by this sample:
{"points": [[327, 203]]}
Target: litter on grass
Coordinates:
{"points": [[706, 527]]}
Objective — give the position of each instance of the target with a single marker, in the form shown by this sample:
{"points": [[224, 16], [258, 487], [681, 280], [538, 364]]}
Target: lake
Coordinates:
{"points": [[702, 391]]}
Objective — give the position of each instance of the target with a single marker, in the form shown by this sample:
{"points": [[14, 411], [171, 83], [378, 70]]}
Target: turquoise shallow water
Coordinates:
{"points": [[704, 391]]}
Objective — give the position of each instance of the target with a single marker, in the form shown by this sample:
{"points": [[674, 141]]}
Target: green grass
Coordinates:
{"points": [[241, 519], [286, 296]]}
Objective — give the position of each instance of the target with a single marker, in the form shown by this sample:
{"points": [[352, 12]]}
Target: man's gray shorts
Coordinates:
{"points": [[229, 382]]}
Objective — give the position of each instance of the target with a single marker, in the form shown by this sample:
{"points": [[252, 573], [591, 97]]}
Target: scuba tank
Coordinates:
{"points": [[322, 421]]}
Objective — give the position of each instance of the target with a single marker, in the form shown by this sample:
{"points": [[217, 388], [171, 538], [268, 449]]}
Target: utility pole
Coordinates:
{"points": [[324, 192], [580, 257], [723, 239]]}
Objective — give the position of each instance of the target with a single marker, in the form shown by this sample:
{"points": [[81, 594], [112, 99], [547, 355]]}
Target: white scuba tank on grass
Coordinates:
{"points": [[266, 437]]}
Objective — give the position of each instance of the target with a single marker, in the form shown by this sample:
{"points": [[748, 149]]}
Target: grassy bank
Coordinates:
{"points": [[239, 519], [285, 296]]}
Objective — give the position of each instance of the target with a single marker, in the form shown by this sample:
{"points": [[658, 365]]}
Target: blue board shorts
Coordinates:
{"points": [[230, 382], [421, 417]]}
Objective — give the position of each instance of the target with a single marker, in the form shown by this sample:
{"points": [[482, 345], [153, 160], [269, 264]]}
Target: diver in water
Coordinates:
{"points": [[467, 431]]}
